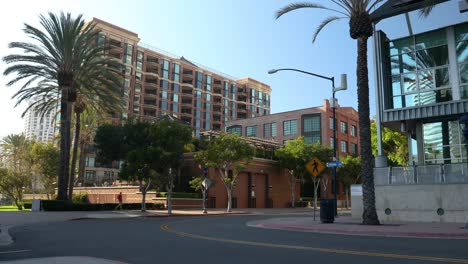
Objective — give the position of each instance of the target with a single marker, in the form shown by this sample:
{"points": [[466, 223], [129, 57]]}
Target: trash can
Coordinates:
{"points": [[327, 211]]}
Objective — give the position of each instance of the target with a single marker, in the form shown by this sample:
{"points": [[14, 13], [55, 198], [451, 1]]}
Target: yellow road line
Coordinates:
{"points": [[165, 227]]}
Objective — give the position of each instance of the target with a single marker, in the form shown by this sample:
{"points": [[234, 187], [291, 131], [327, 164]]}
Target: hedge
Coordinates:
{"points": [[180, 195], [55, 205]]}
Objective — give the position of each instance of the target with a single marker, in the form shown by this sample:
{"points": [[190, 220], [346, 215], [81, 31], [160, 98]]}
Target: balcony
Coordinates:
{"points": [[186, 119], [151, 81], [152, 69], [242, 91], [241, 115], [216, 126], [150, 92], [242, 98], [152, 61], [149, 112]]}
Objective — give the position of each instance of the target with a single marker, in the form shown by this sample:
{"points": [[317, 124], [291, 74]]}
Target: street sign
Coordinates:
{"points": [[315, 166], [334, 164]]}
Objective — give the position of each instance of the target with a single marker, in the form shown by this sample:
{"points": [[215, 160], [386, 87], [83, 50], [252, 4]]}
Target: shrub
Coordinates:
{"points": [[80, 198], [54, 205]]}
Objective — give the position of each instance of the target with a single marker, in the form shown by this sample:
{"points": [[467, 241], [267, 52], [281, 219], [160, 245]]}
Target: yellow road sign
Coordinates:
{"points": [[315, 166]]}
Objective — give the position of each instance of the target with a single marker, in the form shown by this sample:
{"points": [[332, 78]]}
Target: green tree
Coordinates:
{"points": [[394, 145], [63, 54], [46, 163], [360, 29], [17, 172], [228, 152], [349, 173]]}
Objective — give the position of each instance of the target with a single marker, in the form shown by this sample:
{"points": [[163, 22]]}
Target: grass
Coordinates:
{"points": [[11, 208]]}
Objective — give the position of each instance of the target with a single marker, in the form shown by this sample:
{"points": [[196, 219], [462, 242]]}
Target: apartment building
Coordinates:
{"points": [[40, 127], [157, 82]]}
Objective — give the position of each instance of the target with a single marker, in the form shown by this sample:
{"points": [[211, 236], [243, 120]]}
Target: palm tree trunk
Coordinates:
{"points": [[82, 163], [76, 142], [64, 170], [369, 215]]}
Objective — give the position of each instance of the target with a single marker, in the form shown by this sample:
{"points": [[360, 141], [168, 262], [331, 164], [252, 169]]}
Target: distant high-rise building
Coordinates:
{"points": [[40, 128]]}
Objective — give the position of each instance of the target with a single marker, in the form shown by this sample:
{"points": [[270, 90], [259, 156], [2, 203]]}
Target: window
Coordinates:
{"points": [[311, 128], [198, 80], [332, 143], [165, 69], [273, 129], [344, 146], [353, 130], [164, 84], [175, 72], [443, 143], [290, 127], [207, 83], [163, 105], [207, 125], [90, 175], [354, 150], [343, 127], [163, 94], [90, 161], [234, 130], [267, 131], [461, 37], [251, 131], [332, 127]]}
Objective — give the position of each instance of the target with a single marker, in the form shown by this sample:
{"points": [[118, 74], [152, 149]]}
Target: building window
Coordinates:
{"points": [[234, 130], [251, 131], [90, 175], [175, 72], [332, 127], [343, 127], [344, 146], [353, 130], [207, 83], [273, 130], [165, 69], [290, 127], [443, 143], [175, 88], [207, 125], [419, 69], [198, 80], [90, 161], [461, 38], [354, 150], [311, 129], [332, 143]]}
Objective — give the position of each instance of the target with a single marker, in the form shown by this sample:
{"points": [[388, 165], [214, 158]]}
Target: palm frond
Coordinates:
{"points": [[323, 24], [300, 5], [427, 9]]}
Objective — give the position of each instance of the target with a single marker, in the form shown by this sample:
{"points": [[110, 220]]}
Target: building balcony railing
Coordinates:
{"points": [[425, 174]]}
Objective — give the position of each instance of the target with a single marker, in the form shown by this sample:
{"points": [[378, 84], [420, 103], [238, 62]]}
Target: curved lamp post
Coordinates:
{"points": [[344, 86]]}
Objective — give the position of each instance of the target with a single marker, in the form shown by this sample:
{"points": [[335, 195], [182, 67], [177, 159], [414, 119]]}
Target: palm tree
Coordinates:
{"points": [[62, 54], [360, 28]]}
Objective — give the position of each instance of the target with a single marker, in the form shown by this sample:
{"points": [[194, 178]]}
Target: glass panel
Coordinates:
{"points": [[273, 129], [409, 83], [464, 91], [311, 124], [432, 57], [426, 80], [442, 77], [431, 39], [175, 87], [403, 63], [461, 32], [411, 100], [396, 85], [462, 51], [437, 96], [463, 73], [401, 46]]}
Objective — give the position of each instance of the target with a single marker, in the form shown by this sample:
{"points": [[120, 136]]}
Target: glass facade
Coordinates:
{"points": [[235, 130], [251, 131], [443, 143], [461, 38]]}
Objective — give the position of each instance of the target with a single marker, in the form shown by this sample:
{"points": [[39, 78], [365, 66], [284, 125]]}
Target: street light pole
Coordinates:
{"points": [[343, 86]]}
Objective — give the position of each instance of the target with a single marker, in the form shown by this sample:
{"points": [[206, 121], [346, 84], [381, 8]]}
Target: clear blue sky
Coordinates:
{"points": [[240, 38]]}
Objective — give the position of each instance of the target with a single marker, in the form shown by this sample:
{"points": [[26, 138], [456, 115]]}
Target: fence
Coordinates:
{"points": [[427, 174]]}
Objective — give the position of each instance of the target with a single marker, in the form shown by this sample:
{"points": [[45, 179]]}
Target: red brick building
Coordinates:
{"points": [[315, 124]]}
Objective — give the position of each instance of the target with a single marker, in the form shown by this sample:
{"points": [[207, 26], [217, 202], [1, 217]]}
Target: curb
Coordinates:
{"points": [[337, 231], [5, 238], [201, 214]]}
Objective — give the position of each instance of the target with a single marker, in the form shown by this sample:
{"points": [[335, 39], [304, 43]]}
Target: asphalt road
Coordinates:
{"points": [[218, 239]]}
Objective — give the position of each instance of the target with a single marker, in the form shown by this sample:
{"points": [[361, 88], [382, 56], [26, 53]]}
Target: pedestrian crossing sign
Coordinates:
{"points": [[315, 166]]}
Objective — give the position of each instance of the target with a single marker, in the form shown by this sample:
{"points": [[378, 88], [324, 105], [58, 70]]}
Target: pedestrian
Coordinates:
{"points": [[119, 198]]}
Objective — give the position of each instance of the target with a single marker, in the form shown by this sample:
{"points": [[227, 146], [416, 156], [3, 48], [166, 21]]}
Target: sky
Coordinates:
{"points": [[238, 37]]}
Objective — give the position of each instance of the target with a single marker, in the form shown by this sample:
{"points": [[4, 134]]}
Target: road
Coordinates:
{"points": [[218, 239]]}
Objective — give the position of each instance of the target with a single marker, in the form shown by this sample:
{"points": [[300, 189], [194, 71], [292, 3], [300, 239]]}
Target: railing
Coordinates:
{"points": [[427, 174]]}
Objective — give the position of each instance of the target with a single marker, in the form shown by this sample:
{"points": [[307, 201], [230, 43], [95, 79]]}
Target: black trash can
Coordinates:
{"points": [[327, 211]]}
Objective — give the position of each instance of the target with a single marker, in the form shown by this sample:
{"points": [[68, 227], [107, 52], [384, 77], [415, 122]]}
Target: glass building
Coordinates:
{"points": [[423, 91]]}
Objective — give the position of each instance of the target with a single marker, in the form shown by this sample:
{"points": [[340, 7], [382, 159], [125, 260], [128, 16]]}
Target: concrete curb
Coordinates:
{"points": [[5, 238]]}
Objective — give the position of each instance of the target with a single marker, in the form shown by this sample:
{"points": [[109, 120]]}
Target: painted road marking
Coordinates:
{"points": [[165, 227], [14, 251]]}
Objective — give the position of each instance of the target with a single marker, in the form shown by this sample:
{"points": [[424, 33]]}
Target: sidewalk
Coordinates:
{"points": [[347, 226]]}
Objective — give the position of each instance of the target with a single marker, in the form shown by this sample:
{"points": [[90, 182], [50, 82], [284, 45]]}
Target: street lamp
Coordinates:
{"points": [[344, 86]]}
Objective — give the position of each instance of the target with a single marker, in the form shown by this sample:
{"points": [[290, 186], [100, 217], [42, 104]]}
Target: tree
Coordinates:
{"points": [[46, 163], [151, 152], [360, 29], [349, 173], [226, 153], [63, 55], [394, 146], [17, 172]]}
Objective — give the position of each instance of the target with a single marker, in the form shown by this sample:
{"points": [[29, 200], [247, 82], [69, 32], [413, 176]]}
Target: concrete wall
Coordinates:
{"points": [[420, 203]]}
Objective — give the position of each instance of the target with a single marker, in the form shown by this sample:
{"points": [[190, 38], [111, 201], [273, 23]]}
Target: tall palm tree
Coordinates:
{"points": [[63, 53], [360, 28]]}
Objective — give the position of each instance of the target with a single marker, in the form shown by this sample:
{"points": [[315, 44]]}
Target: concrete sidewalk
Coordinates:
{"points": [[348, 226]]}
